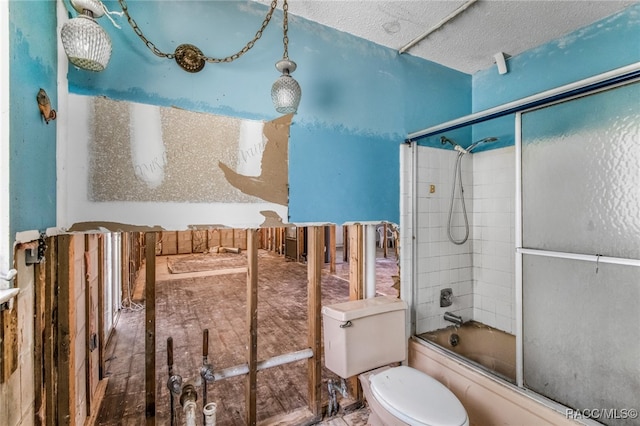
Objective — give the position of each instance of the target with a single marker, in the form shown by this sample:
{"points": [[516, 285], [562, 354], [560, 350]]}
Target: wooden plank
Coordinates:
{"points": [[385, 242], [314, 301], [150, 329], [39, 342], [67, 332], [199, 241], [301, 244], [51, 333], [252, 325], [87, 322], [184, 242], [345, 243], [92, 313], [356, 262], [332, 249], [226, 237], [98, 397], [169, 242], [102, 341], [356, 283], [9, 338], [300, 417], [213, 238]]}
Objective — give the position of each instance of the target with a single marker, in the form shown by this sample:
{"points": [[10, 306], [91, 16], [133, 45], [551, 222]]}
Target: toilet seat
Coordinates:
{"points": [[417, 398]]}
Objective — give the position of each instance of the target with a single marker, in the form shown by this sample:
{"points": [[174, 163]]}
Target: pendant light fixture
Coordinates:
{"points": [[286, 92], [85, 42]]}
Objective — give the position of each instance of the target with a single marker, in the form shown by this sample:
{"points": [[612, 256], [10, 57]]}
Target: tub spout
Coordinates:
{"points": [[456, 319]]}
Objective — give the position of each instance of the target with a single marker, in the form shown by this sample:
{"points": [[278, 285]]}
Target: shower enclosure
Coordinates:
{"points": [[550, 270]]}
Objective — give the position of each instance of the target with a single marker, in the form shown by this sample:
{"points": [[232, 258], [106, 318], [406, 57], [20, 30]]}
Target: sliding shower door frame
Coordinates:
{"points": [[521, 251]]}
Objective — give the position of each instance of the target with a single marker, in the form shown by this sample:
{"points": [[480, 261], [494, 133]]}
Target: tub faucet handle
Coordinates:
{"points": [[446, 297]]}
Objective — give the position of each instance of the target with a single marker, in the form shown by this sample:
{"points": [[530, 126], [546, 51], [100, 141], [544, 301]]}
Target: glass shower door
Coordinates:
{"points": [[580, 168]]}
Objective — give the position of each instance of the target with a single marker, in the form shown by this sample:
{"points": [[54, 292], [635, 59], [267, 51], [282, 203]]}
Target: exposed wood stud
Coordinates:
{"points": [[332, 249], [40, 325], [385, 241], [252, 325], [9, 342], [356, 283], [345, 243], [356, 262], [150, 328], [101, 337], [51, 333], [300, 242], [66, 326], [314, 299]]}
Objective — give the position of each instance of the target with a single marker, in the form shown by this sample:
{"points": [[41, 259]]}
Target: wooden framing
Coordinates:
{"points": [[50, 334], [332, 249], [92, 296], [300, 242], [8, 342], [345, 243], [252, 325], [40, 326], [356, 262], [270, 239], [150, 328], [66, 326], [314, 299], [102, 339], [356, 283]]}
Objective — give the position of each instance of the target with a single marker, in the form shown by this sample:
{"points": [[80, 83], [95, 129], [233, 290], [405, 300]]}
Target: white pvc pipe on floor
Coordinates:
{"points": [[275, 361], [209, 412], [190, 413]]}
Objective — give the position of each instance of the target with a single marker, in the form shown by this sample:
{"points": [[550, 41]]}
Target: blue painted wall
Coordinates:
{"points": [[602, 46], [359, 99], [33, 65]]}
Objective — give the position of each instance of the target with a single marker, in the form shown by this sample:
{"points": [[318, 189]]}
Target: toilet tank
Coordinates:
{"points": [[361, 335]]}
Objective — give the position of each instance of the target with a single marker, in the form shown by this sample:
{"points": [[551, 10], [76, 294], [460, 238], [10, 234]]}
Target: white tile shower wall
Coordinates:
{"points": [[493, 234], [442, 264]]}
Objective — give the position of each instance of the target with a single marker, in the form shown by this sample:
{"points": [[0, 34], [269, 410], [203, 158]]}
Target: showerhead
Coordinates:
{"points": [[475, 144]]}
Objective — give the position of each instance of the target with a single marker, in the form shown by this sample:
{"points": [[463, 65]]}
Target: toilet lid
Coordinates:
{"points": [[417, 398]]}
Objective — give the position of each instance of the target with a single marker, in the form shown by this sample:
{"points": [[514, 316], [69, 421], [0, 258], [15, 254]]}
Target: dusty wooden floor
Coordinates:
{"points": [[213, 298]]}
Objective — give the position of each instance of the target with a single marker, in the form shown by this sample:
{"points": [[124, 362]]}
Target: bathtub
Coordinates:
{"points": [[488, 399], [489, 347]]}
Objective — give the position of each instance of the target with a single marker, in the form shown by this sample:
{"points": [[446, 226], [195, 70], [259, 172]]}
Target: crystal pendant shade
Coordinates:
{"points": [[86, 43], [286, 94]]}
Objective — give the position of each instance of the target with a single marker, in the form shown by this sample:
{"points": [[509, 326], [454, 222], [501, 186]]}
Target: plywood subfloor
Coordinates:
{"points": [[187, 303]]}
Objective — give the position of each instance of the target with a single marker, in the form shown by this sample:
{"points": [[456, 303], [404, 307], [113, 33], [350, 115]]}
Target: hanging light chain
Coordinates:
{"points": [[285, 29], [151, 46]]}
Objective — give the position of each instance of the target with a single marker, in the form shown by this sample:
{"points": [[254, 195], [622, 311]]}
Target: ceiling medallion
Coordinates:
{"points": [[189, 57]]}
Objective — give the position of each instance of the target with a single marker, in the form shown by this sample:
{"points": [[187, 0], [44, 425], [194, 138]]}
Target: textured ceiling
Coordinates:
{"points": [[467, 42]]}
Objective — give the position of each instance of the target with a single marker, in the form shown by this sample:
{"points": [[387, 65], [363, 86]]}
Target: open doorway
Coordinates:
{"points": [[201, 290]]}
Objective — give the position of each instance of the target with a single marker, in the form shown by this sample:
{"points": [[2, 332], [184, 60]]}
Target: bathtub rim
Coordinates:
{"points": [[523, 391], [470, 361]]}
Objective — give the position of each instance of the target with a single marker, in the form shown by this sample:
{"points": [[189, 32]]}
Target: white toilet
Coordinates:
{"points": [[362, 338]]}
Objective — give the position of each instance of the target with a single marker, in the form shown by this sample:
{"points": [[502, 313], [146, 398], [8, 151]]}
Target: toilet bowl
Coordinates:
{"points": [[365, 337], [400, 396]]}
